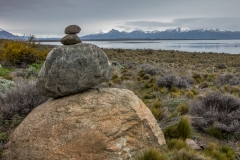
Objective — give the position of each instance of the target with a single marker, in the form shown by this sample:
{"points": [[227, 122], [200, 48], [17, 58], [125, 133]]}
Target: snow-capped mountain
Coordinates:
{"points": [[7, 35], [177, 33]]}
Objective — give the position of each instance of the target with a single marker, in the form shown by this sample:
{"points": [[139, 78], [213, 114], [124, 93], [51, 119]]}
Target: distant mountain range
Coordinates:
{"points": [[7, 35], [178, 33]]}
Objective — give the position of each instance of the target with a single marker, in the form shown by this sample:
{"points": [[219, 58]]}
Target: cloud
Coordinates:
{"points": [[50, 17], [227, 23]]}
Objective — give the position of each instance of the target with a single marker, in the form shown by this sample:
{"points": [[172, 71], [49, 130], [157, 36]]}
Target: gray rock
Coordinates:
{"points": [[72, 29], [70, 39], [73, 68]]}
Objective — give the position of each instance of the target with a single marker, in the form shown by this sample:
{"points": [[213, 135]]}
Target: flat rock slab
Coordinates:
{"points": [[71, 69], [192, 144], [105, 124], [72, 29], [70, 39]]}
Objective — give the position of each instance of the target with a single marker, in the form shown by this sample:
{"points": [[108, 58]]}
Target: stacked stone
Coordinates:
{"points": [[71, 37], [73, 67]]}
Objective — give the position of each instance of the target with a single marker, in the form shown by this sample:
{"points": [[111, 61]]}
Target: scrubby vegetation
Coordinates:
{"points": [[20, 101], [218, 114], [151, 154], [174, 85], [17, 53], [191, 95]]}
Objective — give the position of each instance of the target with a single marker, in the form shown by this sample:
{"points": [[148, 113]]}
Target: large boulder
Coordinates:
{"points": [[71, 69], [106, 123]]}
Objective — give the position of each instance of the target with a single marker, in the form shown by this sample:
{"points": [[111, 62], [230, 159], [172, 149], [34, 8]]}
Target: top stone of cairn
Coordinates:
{"points": [[72, 29]]}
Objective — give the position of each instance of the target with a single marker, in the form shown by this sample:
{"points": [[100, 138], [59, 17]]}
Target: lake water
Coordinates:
{"points": [[216, 46]]}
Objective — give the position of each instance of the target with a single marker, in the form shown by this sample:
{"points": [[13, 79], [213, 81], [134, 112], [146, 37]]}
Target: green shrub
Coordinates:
{"points": [[37, 65], [28, 72], [3, 137], [114, 76], [215, 132], [149, 96], [181, 130], [176, 144], [148, 51], [157, 112], [184, 128], [182, 109], [171, 131], [174, 89], [6, 85], [194, 91], [172, 103], [4, 71], [228, 151], [189, 94], [146, 76], [17, 52], [222, 153], [141, 73], [221, 66], [164, 90], [174, 95], [151, 154], [157, 104], [197, 76], [184, 154]]}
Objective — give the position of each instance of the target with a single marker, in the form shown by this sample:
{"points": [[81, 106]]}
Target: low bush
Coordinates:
{"points": [[4, 71], [183, 109], [217, 110], [20, 101], [146, 76], [171, 80], [18, 52], [228, 151], [3, 137], [157, 113], [171, 131], [6, 85], [229, 79], [221, 153], [37, 65], [212, 131], [28, 72], [150, 69], [181, 130], [173, 103], [151, 154], [148, 51], [221, 66], [184, 154], [184, 128], [176, 144]]}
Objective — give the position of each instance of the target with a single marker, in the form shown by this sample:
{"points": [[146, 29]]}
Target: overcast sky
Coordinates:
{"points": [[48, 18]]}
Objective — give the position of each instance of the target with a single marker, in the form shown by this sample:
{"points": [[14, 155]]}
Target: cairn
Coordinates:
{"points": [[81, 122], [73, 67], [71, 37]]}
